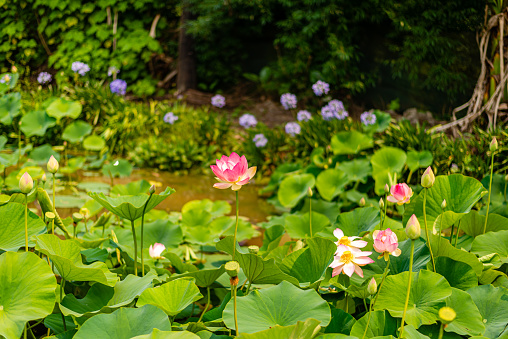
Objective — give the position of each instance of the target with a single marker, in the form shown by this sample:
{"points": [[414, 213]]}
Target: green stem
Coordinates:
{"points": [[409, 176], [310, 215], [441, 330], [457, 236], [62, 286], [54, 206], [505, 185], [233, 290], [248, 288], [385, 273], [142, 231], [236, 227], [135, 248], [384, 213], [427, 230], [451, 234], [490, 190], [75, 229], [365, 304], [207, 304], [401, 335], [26, 222], [24, 335]]}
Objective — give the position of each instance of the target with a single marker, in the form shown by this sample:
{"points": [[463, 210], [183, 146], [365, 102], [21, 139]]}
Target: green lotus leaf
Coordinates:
{"points": [[309, 264], [96, 186], [215, 208], [61, 108], [473, 223], [66, 255], [492, 302], [36, 123], [10, 105], [73, 165], [295, 187], [469, 320], [171, 297], [350, 142], [12, 234], [193, 218], [130, 207], [428, 293], [385, 162], [302, 329], [358, 221], [416, 160], [281, 305], [331, 182], [257, 270], [442, 247], [245, 229], [42, 154], [298, 225], [27, 291], [157, 334], [356, 170], [203, 278], [381, 324], [117, 168], [76, 131], [94, 143], [3, 141], [341, 322], [491, 242], [125, 323], [458, 274], [132, 188]]}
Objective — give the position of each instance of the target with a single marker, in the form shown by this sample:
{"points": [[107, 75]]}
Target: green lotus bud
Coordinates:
{"points": [[50, 216], [387, 188], [309, 191], [413, 229], [85, 212], [447, 315], [372, 286], [232, 268], [151, 190], [44, 179], [428, 178], [52, 165], [253, 249], [77, 217], [443, 204], [493, 145], [381, 203], [26, 183]]}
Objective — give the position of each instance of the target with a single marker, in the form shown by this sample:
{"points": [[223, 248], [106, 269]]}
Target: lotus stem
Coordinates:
{"points": [[401, 335], [310, 215], [234, 305], [207, 304], [427, 230], [385, 273], [490, 191], [26, 222], [62, 287], [54, 206], [457, 236], [142, 233], [135, 248], [441, 330], [248, 288], [236, 228]]}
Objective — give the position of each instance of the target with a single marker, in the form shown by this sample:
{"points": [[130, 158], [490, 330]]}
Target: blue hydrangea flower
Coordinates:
{"points": [[341, 115], [288, 101], [80, 67], [247, 120], [260, 140], [303, 116], [293, 128], [5, 79], [170, 118], [368, 118], [336, 105], [320, 88], [327, 113], [44, 78], [113, 70], [218, 101], [118, 86]]}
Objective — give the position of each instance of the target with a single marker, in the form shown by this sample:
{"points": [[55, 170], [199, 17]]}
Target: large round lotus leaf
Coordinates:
{"points": [[298, 225], [441, 247], [473, 223], [157, 334], [215, 208], [281, 305], [341, 322], [132, 188], [203, 278], [350, 142], [356, 170], [9, 107], [66, 255], [193, 218], [245, 230], [124, 323], [117, 168], [76, 131], [428, 293], [416, 160], [61, 108], [73, 165], [492, 302], [27, 291], [491, 242], [94, 143], [303, 329], [309, 264], [36, 123], [12, 231], [358, 221], [171, 297], [130, 207], [294, 187], [458, 274], [331, 182], [469, 320], [389, 159], [381, 324], [42, 154]]}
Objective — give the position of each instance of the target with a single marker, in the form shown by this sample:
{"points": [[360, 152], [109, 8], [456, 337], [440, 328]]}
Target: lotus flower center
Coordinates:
{"points": [[346, 257], [344, 241]]}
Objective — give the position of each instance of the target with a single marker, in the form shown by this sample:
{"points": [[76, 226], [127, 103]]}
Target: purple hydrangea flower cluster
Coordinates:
{"points": [[288, 101], [218, 101], [260, 140], [327, 113], [334, 109], [247, 120], [303, 116], [293, 128], [80, 67], [5, 79], [44, 78], [118, 86], [368, 118], [113, 70], [320, 88], [170, 118]]}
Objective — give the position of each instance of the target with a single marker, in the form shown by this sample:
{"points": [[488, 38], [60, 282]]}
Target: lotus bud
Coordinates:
{"points": [[443, 204], [14, 69], [253, 249], [151, 190], [26, 183], [44, 179], [232, 268], [493, 145], [381, 203], [50, 216], [413, 229], [52, 165], [428, 178], [309, 191], [77, 217], [85, 212], [362, 202], [372, 286], [387, 188], [447, 315]]}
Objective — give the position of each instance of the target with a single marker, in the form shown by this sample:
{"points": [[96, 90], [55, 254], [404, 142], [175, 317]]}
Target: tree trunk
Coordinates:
{"points": [[186, 62]]}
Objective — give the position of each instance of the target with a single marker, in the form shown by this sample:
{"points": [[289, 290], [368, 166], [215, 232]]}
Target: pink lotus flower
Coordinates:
{"points": [[350, 242], [232, 172], [386, 243], [401, 194], [349, 260], [156, 250]]}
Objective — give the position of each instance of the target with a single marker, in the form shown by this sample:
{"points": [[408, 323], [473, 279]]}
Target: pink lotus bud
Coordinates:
{"points": [[26, 183], [232, 171], [362, 202], [386, 243], [309, 192], [381, 203], [387, 188], [428, 178], [52, 165], [443, 204], [156, 250], [413, 229], [493, 145], [151, 190], [372, 286], [43, 178], [400, 194]]}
